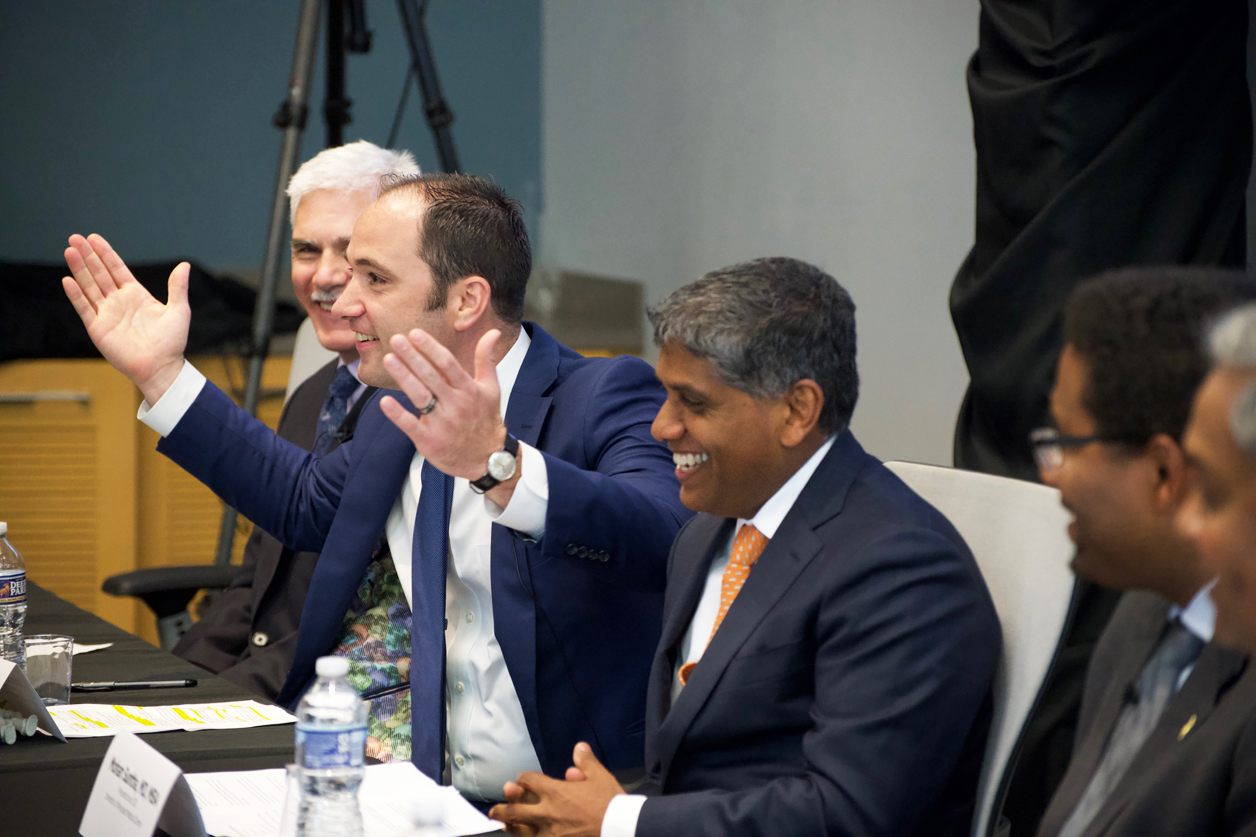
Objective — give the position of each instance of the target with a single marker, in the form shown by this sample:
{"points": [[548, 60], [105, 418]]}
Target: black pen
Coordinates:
{"points": [[110, 686]]}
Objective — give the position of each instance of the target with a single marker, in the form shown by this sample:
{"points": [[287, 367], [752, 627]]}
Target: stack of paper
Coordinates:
{"points": [[92, 720], [250, 803]]}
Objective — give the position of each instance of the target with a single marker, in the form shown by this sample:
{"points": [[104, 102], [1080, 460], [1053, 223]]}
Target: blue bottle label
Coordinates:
{"points": [[327, 748], [12, 588]]}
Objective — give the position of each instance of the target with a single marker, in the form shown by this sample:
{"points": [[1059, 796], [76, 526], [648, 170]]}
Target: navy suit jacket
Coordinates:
{"points": [[848, 689], [577, 614]]}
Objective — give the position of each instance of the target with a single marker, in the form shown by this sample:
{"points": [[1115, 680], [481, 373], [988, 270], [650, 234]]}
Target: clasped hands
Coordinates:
{"points": [[570, 807]]}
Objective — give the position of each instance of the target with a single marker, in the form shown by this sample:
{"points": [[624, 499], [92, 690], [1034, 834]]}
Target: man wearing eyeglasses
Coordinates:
{"points": [[1166, 739]]}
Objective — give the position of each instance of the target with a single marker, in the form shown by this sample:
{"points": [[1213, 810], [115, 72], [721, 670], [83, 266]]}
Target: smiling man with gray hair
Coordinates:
{"points": [[828, 643], [248, 635]]}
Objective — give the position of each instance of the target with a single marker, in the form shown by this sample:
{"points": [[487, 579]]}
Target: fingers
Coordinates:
{"points": [[484, 366], [431, 362], [586, 762], [177, 286], [94, 266], [81, 306], [517, 794], [406, 421], [112, 262], [82, 276], [574, 774]]}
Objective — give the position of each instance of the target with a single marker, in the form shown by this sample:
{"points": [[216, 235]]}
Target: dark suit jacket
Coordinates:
{"points": [[249, 633], [1201, 783], [577, 614], [847, 691]]}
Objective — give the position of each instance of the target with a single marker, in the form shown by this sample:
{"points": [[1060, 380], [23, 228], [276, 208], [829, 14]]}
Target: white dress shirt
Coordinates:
{"points": [[621, 815], [488, 742]]}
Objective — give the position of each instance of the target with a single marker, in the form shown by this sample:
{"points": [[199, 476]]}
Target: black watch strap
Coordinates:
{"points": [[488, 481]]}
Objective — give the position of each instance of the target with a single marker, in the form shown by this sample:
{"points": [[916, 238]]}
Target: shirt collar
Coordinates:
{"points": [[510, 365], [769, 516], [1200, 614], [353, 368]]}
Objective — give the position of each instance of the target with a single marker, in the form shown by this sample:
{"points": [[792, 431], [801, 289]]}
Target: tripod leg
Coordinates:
{"points": [[290, 118]]}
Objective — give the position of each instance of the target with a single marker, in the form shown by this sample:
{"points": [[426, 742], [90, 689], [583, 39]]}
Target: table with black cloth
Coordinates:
{"points": [[44, 784]]}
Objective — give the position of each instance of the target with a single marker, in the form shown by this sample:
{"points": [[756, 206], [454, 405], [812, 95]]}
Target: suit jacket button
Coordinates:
{"points": [[571, 549], [584, 552], [260, 639], [605, 556]]}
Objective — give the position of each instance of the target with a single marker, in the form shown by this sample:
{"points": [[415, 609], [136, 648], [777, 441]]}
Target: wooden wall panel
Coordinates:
{"points": [[84, 491]]}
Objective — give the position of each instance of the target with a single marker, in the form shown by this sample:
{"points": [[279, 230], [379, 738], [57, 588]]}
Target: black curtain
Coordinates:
{"points": [[1108, 134]]}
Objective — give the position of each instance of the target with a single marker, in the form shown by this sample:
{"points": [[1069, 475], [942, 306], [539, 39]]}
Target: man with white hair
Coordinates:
{"points": [[1220, 447], [248, 635]]}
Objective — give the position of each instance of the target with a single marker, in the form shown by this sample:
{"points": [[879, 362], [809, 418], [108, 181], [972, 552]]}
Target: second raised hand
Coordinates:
{"points": [[464, 425], [141, 337]]}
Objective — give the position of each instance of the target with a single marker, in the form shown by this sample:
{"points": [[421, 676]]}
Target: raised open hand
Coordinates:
{"points": [[141, 337], [463, 424]]}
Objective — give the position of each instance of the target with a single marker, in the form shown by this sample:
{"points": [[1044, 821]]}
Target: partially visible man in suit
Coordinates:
{"points": [[1220, 514], [248, 635], [1166, 740], [828, 642]]}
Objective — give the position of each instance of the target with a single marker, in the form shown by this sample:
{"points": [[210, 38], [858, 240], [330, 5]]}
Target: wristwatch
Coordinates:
{"points": [[501, 466]]}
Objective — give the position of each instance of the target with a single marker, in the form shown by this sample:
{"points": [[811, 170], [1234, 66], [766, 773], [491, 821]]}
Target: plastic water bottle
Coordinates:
{"points": [[12, 601], [331, 739]]}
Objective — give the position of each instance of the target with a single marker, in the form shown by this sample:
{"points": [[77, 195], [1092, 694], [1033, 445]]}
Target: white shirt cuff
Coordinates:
{"points": [[170, 408], [525, 512], [620, 819]]}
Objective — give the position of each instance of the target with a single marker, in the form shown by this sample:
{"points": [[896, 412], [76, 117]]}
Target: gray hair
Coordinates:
{"points": [[1232, 342], [767, 324], [347, 168]]}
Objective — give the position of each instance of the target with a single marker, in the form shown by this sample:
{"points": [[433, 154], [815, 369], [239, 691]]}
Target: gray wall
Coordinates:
{"points": [[680, 137], [150, 122]]}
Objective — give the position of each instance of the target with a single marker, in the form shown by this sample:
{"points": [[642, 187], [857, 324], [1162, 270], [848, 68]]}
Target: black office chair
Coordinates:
{"points": [[167, 591]]}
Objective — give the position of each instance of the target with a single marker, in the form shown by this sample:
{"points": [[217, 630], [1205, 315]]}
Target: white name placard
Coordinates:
{"points": [[137, 790]]}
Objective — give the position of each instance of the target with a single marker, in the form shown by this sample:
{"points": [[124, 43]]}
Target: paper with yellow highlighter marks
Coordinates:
{"points": [[97, 720]]}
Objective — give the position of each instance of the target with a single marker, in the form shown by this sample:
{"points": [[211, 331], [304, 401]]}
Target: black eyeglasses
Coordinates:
{"points": [[1048, 445]]}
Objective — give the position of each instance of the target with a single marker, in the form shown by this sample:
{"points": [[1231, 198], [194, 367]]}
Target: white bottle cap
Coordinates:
{"points": [[331, 666], [4, 528]]}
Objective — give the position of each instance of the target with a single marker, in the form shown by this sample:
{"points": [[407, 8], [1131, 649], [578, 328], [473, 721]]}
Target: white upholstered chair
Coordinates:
{"points": [[1018, 533]]}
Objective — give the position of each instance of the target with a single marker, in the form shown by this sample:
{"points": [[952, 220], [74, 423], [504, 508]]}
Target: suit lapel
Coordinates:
{"points": [[1216, 670], [787, 554], [1140, 640]]}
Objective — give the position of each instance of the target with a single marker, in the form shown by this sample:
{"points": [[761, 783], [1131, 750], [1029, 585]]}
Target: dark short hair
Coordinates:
{"points": [[1141, 331], [767, 324], [471, 228]]}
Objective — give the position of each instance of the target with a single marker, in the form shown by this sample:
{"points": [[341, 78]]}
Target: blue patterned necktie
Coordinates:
{"points": [[1158, 682], [335, 408], [427, 640]]}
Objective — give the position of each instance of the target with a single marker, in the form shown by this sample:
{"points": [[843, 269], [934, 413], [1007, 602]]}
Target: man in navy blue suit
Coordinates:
{"points": [[524, 555], [828, 642]]}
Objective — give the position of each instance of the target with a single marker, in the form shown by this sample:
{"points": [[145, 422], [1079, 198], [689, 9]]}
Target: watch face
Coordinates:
{"points": [[501, 466]]}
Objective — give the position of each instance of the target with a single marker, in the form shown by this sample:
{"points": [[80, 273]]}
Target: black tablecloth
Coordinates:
{"points": [[44, 784]]}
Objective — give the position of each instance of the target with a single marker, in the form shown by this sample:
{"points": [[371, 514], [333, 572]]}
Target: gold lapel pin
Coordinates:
{"points": [[1187, 727]]}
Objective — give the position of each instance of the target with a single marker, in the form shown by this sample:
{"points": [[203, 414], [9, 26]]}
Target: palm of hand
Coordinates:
{"points": [[137, 331]]}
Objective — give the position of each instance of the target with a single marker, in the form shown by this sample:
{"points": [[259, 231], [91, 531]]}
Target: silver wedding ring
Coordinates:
{"points": [[431, 405]]}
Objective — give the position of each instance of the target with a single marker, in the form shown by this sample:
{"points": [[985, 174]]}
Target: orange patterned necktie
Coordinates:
{"points": [[747, 547]]}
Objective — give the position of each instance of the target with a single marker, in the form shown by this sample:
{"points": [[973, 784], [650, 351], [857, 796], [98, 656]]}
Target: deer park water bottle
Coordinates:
{"points": [[331, 739], [12, 601]]}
